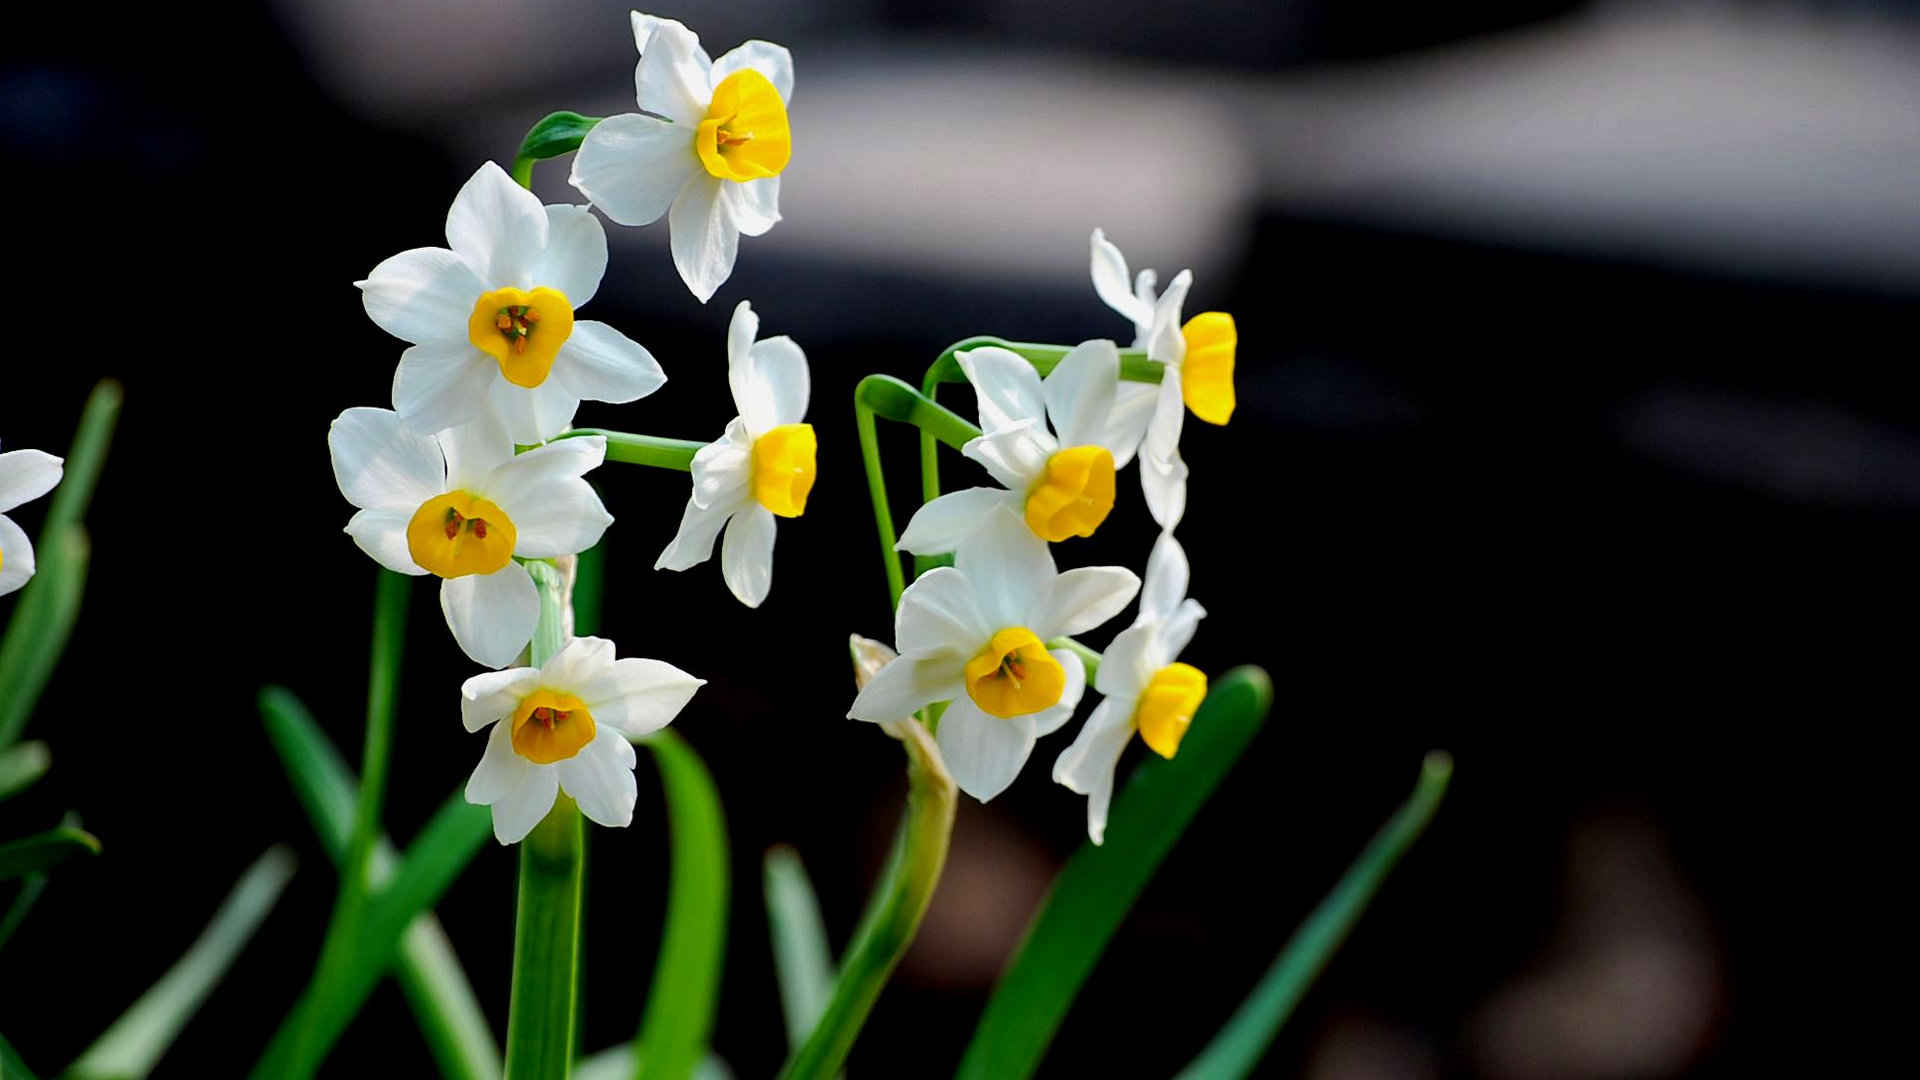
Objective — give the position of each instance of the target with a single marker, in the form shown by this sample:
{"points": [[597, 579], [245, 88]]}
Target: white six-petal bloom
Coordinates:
{"points": [[1143, 687], [1199, 375], [492, 319], [564, 726], [1061, 486], [973, 634], [762, 467], [461, 506], [709, 157], [24, 474]]}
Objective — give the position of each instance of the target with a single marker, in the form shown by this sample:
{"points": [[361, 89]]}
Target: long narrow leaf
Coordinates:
{"points": [[1100, 883], [31, 887], [686, 979], [21, 766], [1236, 1050], [802, 960], [42, 850], [11, 1067], [134, 1044], [37, 634], [618, 1063]]}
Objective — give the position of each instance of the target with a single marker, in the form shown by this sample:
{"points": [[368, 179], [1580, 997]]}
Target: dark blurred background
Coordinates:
{"points": [[1576, 435]]}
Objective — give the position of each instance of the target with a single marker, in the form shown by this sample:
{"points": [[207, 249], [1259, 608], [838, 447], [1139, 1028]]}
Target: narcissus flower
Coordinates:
{"points": [[1144, 687], [462, 507], [760, 469], [709, 157], [1061, 487], [24, 474], [1199, 375], [492, 320], [974, 634], [564, 726]]}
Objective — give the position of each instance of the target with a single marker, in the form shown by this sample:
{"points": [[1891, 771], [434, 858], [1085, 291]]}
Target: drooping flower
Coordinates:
{"points": [[1143, 685], [1061, 486], [461, 506], [564, 726], [709, 157], [762, 468], [974, 635], [1199, 375], [24, 475], [492, 319]]}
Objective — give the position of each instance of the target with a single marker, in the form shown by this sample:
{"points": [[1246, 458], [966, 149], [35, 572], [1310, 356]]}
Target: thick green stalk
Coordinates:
{"points": [[630, 449]]}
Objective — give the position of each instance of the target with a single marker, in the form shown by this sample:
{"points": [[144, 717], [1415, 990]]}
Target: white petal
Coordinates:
{"points": [[492, 616], [1133, 404], [1178, 630], [941, 525], [771, 385], [383, 535], [1165, 343], [1054, 717], [27, 474], [1081, 390], [494, 695], [742, 329], [533, 414], [1007, 387], [16, 556], [983, 752], [631, 166], [1166, 585], [637, 696], [501, 771], [442, 384], [382, 464], [526, 797], [702, 236], [723, 469], [693, 544], [575, 258], [577, 664], [422, 295], [599, 363], [499, 228], [674, 78], [554, 510], [1083, 598], [1130, 661], [473, 450], [753, 205], [773, 61], [746, 556], [1088, 765], [1010, 568], [908, 683], [1016, 454], [1110, 281], [1163, 473], [600, 779], [938, 613]]}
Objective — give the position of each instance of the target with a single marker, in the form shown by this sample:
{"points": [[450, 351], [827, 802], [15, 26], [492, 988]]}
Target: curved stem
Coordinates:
{"points": [[630, 449]]}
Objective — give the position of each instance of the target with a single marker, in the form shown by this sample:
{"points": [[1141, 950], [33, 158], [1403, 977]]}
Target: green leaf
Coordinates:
{"points": [[42, 850], [11, 1067], [21, 766], [41, 624], [686, 979], [1237, 1048], [429, 973], [1100, 883], [133, 1045], [802, 961], [554, 134], [30, 889], [619, 1062]]}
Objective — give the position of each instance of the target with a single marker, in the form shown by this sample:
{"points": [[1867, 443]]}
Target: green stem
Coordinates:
{"points": [[884, 395], [630, 449], [1087, 656], [1134, 365], [554, 134]]}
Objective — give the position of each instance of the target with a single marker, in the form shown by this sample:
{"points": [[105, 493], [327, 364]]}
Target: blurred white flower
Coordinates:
{"points": [[461, 506], [761, 468], [564, 726], [974, 633], [1199, 375], [709, 157], [24, 474], [1143, 686], [492, 319], [1061, 486]]}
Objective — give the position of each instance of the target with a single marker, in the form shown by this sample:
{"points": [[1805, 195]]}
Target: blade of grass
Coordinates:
{"points": [[802, 960], [618, 1063], [41, 624], [40, 851], [11, 1067], [21, 766], [31, 887], [686, 979]]}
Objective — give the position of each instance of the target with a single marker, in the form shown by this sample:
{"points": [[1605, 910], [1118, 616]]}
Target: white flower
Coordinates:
{"points": [[1144, 689], [564, 726], [461, 506], [1199, 375], [491, 320], [1061, 486], [974, 633], [24, 474], [709, 158], [761, 468]]}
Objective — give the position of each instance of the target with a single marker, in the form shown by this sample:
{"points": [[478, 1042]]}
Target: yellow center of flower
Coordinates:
{"points": [[1074, 496], [550, 726], [745, 135], [460, 533], [523, 330], [1206, 375], [1167, 706], [783, 469], [1014, 675]]}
